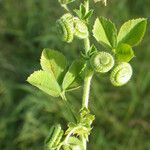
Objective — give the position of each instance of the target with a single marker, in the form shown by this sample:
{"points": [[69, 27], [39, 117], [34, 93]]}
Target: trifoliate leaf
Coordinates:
{"points": [[105, 32], [73, 72], [53, 62], [46, 82], [132, 31], [124, 53]]}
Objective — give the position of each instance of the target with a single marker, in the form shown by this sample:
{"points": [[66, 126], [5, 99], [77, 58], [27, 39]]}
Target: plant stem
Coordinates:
{"points": [[87, 45], [86, 88], [87, 79], [85, 99]]}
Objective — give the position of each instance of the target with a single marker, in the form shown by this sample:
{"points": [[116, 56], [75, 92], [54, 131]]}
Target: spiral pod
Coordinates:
{"points": [[102, 62], [121, 74], [65, 26], [81, 29], [54, 137]]}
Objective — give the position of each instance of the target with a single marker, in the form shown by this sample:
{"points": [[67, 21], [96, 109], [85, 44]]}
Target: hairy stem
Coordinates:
{"points": [[86, 88], [87, 79], [85, 99]]}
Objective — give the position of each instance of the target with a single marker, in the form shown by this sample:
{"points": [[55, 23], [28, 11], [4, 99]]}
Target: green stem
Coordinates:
{"points": [[85, 100], [87, 79], [86, 88], [88, 75], [87, 45]]}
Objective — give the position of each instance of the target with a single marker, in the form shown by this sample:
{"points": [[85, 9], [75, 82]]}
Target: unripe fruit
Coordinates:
{"points": [[65, 26], [121, 74], [102, 62], [54, 137], [81, 30]]}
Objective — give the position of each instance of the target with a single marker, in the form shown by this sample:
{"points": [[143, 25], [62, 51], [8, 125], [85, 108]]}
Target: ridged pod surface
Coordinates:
{"points": [[102, 62], [81, 30], [65, 26], [54, 137], [121, 74]]}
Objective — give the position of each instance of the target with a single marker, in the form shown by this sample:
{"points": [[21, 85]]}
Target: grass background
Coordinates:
{"points": [[122, 114]]}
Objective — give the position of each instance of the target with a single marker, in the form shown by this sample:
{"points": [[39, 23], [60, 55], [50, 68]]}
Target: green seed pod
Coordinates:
{"points": [[54, 137], [121, 74], [102, 62], [81, 30], [65, 28]]}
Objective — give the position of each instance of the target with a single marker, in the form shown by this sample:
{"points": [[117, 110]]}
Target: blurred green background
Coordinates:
{"points": [[122, 114]]}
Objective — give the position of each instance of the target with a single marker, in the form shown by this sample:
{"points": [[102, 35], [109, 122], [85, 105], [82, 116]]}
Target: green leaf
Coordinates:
{"points": [[45, 82], [85, 117], [78, 129], [105, 32], [53, 62], [82, 9], [89, 14], [73, 72], [132, 31], [78, 13], [124, 53]]}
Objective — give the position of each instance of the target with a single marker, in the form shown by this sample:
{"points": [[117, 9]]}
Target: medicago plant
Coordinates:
{"points": [[57, 77]]}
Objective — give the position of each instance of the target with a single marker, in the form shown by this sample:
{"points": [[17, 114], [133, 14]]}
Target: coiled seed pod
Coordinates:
{"points": [[65, 26], [54, 137], [102, 62], [121, 74], [81, 30]]}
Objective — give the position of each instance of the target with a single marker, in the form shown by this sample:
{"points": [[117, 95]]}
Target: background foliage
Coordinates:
{"points": [[122, 114]]}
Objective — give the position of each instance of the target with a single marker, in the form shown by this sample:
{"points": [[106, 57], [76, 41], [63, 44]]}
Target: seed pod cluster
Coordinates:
{"points": [[70, 26], [103, 62]]}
